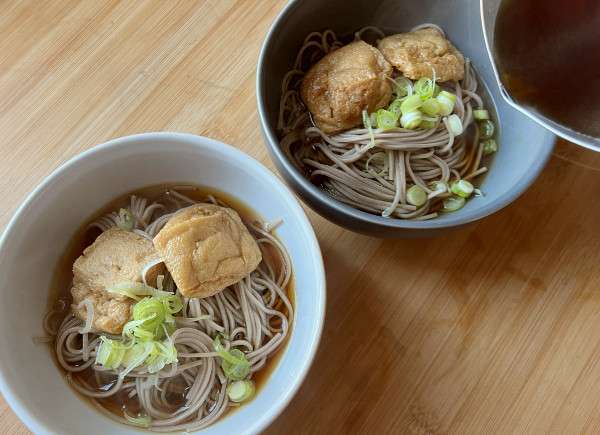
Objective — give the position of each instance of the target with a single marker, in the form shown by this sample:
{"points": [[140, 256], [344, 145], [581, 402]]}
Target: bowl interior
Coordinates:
{"points": [[524, 146], [38, 235]]}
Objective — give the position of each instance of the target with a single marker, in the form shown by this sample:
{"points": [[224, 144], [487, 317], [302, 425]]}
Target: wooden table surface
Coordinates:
{"points": [[491, 329]]}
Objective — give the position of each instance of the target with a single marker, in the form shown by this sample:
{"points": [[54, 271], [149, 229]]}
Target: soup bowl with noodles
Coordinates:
{"points": [[385, 117], [117, 229]]}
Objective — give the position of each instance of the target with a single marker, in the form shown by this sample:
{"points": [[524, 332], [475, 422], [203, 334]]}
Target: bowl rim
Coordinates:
{"points": [[319, 200], [21, 408]]}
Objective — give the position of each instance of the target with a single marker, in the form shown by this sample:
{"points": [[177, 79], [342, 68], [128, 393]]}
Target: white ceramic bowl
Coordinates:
{"points": [[39, 232]]}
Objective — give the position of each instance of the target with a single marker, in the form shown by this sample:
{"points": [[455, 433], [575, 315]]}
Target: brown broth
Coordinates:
{"points": [[62, 279], [548, 54]]}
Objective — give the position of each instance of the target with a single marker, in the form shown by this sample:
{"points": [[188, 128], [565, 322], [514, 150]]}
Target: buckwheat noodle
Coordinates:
{"points": [[376, 178], [191, 394]]}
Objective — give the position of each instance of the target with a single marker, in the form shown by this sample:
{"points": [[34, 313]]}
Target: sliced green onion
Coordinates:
{"points": [[110, 353], [126, 220], [136, 356], [134, 353], [149, 309], [173, 304], [411, 120], [169, 328], [436, 90], [235, 365], [486, 129], [395, 107], [141, 337], [462, 188], [140, 420], [130, 330], [455, 125], [236, 370], [431, 107], [144, 334], [153, 354], [163, 353], [453, 203], [386, 120], [403, 87], [135, 290], [424, 88], [152, 317], [489, 147], [439, 186], [152, 313], [410, 104], [481, 114], [369, 127], [447, 101], [416, 195], [240, 391]]}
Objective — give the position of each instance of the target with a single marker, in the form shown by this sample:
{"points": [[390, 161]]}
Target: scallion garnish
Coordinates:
{"points": [[395, 107], [453, 203], [462, 188], [431, 107], [489, 147], [439, 186], [235, 365], [416, 196], [486, 129], [135, 290], [481, 114], [411, 120], [403, 87], [455, 124], [110, 353], [240, 391], [386, 120], [410, 104], [447, 102], [145, 339], [425, 88]]}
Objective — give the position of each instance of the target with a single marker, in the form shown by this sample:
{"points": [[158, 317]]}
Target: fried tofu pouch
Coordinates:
{"points": [[345, 82], [417, 53], [115, 257], [207, 248]]}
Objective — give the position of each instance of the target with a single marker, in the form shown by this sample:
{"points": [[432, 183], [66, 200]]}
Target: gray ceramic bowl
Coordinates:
{"points": [[524, 146]]}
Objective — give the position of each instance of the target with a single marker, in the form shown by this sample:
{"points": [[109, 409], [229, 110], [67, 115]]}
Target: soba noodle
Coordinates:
{"points": [[254, 314], [375, 178]]}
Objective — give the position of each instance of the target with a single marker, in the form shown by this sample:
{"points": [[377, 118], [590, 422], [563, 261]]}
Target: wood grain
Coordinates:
{"points": [[490, 329]]}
